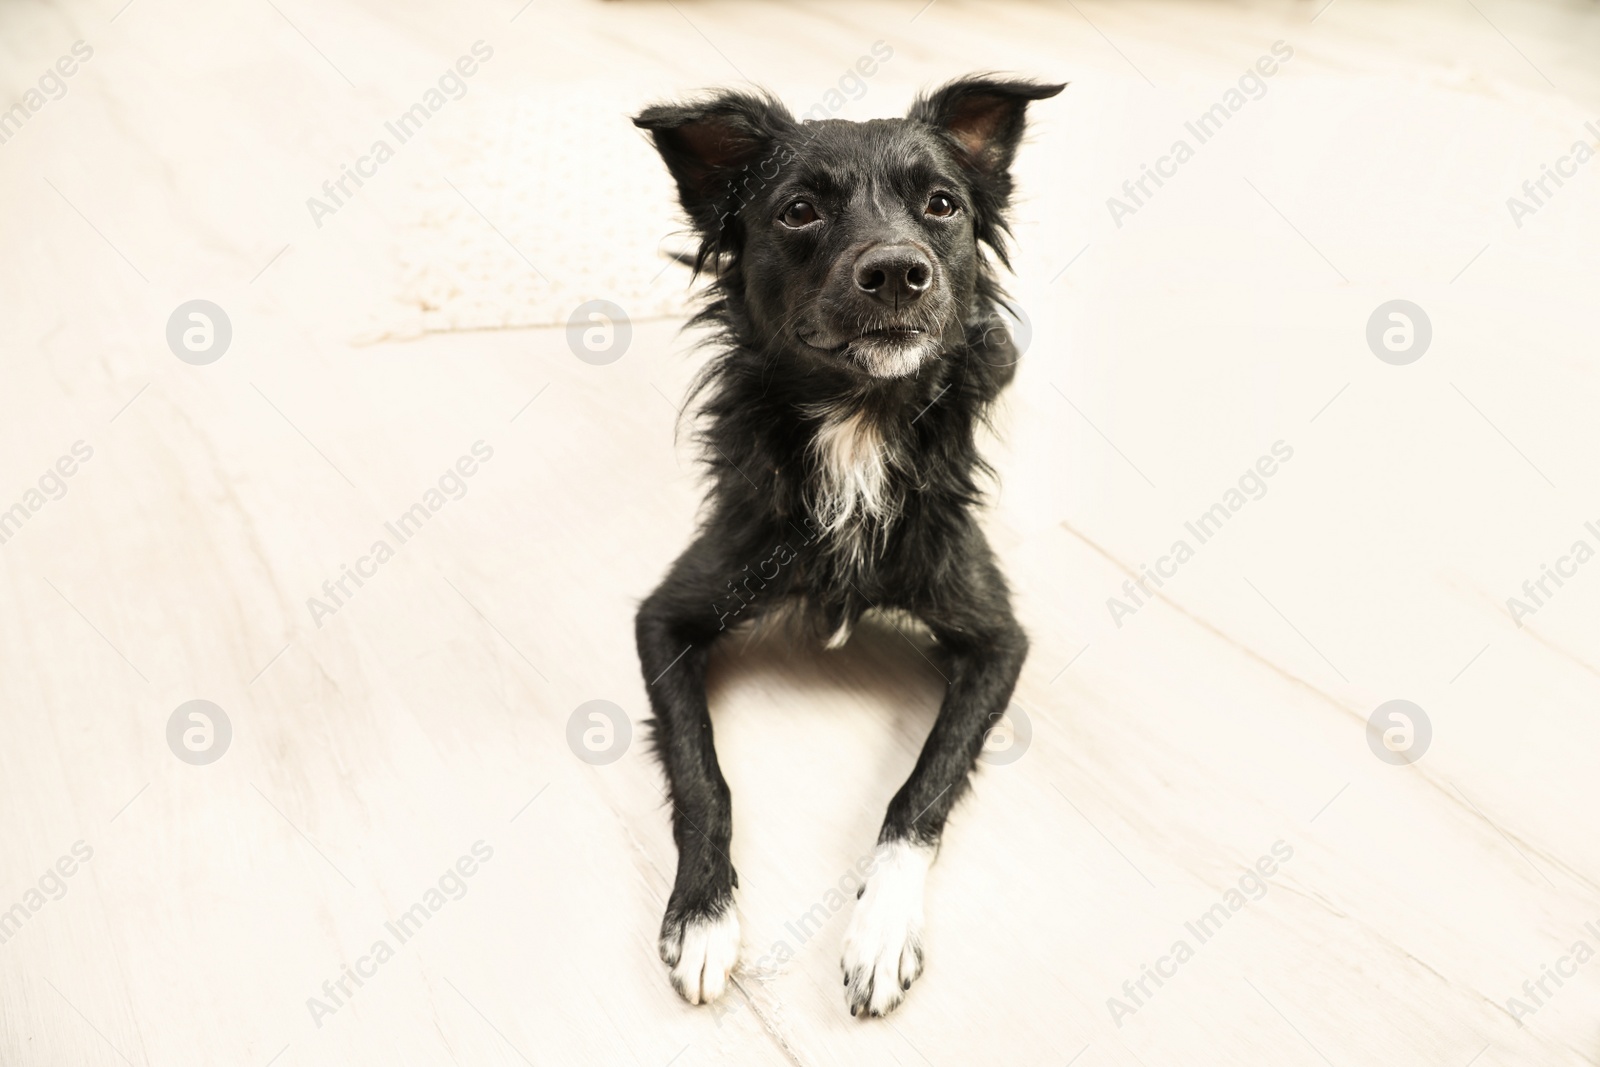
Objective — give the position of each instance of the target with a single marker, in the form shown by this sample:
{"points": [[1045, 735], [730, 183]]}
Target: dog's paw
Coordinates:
{"points": [[883, 944], [701, 952]]}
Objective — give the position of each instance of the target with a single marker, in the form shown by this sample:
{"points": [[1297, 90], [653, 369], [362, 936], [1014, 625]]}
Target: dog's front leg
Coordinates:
{"points": [[675, 628], [985, 647]]}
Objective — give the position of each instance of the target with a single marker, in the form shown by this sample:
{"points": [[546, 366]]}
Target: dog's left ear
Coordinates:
{"points": [[984, 117]]}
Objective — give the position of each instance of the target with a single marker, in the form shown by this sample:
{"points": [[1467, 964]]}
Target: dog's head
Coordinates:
{"points": [[856, 243]]}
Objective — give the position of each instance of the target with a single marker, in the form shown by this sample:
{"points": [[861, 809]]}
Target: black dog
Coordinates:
{"points": [[855, 309]]}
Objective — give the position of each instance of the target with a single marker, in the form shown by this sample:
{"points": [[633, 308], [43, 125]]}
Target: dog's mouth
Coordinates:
{"points": [[892, 351], [881, 336], [890, 334]]}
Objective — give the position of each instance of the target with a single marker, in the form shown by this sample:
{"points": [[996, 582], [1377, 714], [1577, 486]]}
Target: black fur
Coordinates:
{"points": [[802, 333]]}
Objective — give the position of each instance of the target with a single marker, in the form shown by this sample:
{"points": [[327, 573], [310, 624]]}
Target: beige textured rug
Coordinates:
{"points": [[578, 207]]}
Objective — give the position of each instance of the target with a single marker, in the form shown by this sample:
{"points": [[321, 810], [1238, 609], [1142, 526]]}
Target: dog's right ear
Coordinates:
{"points": [[708, 145]]}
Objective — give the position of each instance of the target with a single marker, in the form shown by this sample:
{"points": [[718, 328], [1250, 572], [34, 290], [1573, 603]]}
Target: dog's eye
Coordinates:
{"points": [[798, 214], [941, 206]]}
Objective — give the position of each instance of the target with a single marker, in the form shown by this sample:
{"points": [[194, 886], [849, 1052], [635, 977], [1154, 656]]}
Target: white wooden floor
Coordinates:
{"points": [[423, 723]]}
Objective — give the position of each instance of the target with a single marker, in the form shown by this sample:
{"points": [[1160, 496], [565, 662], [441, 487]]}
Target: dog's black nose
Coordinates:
{"points": [[895, 274]]}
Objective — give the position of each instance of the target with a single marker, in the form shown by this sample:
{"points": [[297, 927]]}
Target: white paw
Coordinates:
{"points": [[883, 944], [701, 954]]}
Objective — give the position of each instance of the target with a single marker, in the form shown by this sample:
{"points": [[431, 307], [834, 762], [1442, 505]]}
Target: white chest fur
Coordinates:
{"points": [[851, 475]]}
